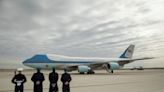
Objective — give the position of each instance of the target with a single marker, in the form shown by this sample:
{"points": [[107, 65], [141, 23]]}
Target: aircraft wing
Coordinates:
{"points": [[144, 58], [92, 66], [121, 62], [100, 64], [72, 68]]}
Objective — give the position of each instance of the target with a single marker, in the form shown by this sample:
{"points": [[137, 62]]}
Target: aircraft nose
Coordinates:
{"points": [[24, 62]]}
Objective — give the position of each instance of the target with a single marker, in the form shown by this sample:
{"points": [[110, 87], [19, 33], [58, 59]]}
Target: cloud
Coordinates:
{"points": [[80, 28]]}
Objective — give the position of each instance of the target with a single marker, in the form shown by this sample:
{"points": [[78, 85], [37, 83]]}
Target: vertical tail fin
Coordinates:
{"points": [[128, 53]]}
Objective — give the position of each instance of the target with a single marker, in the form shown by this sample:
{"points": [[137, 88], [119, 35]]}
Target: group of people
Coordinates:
{"points": [[38, 78]]}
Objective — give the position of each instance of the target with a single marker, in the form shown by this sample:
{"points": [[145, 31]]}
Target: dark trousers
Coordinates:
{"points": [[18, 88], [66, 88], [38, 88], [53, 89]]}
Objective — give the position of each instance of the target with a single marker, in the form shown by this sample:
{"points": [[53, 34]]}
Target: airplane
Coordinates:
{"points": [[82, 64]]}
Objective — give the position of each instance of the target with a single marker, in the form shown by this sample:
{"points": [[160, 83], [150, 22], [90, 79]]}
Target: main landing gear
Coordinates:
{"points": [[90, 72], [112, 71]]}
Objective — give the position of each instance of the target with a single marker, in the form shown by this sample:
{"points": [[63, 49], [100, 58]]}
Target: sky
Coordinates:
{"points": [[83, 28]]}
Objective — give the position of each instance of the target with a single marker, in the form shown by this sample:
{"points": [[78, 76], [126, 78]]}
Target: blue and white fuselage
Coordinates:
{"points": [[82, 64]]}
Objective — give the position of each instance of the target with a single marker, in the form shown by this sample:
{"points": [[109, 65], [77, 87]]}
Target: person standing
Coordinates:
{"points": [[19, 79], [53, 78], [66, 79], [38, 79]]}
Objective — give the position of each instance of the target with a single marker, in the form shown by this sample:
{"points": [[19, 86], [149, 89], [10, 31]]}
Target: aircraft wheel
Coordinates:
{"points": [[111, 71], [81, 72], [90, 72]]}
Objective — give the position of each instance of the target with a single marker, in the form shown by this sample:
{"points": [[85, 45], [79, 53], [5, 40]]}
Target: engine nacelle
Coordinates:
{"points": [[83, 69], [113, 66]]}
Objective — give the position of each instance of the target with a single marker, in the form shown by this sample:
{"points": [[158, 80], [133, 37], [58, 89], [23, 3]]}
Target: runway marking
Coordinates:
{"points": [[102, 84]]}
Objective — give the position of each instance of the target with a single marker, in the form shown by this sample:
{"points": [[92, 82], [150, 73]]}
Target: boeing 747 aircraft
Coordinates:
{"points": [[82, 64]]}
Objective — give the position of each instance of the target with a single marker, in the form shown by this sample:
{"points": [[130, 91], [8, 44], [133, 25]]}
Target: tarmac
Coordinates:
{"points": [[151, 80]]}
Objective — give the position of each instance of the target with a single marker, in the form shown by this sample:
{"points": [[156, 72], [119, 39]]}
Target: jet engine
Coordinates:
{"points": [[112, 66], [84, 69]]}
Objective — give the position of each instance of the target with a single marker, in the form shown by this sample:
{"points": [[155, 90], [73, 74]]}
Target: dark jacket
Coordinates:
{"points": [[53, 78], [38, 77], [66, 78], [19, 80], [19, 77]]}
